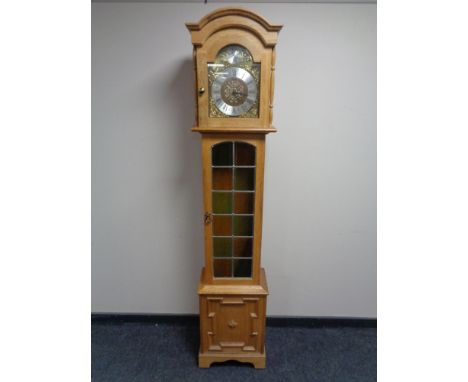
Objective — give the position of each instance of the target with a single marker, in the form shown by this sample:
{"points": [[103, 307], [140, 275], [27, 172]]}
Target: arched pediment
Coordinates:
{"points": [[234, 18]]}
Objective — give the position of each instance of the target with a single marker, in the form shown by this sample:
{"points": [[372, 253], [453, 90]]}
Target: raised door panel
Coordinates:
{"points": [[233, 324]]}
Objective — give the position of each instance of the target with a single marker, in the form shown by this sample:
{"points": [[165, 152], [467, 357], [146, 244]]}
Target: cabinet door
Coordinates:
{"points": [[234, 72], [233, 197], [232, 324]]}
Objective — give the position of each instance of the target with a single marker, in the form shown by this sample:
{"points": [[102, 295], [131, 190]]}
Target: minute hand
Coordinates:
{"points": [[235, 92]]}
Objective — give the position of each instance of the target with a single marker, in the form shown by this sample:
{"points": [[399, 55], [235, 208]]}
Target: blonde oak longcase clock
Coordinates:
{"points": [[234, 59]]}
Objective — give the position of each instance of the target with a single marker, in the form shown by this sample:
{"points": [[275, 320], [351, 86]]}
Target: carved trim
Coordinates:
{"points": [[225, 344], [194, 56], [234, 18], [248, 348], [212, 308], [272, 82], [207, 288], [232, 301], [254, 317], [234, 12]]}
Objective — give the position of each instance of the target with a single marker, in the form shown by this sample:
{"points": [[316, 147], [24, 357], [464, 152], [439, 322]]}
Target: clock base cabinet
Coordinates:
{"points": [[232, 323]]}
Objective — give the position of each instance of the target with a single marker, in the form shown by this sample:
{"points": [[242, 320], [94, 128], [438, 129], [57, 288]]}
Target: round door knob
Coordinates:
{"points": [[201, 91]]}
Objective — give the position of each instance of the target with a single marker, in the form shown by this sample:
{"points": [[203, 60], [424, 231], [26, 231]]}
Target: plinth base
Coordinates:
{"points": [[232, 322], [257, 360]]}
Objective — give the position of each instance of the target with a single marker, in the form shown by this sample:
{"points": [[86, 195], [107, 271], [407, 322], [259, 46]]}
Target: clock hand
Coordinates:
{"points": [[235, 92]]}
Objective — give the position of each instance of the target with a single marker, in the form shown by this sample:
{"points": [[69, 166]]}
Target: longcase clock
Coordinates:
{"points": [[234, 59]]}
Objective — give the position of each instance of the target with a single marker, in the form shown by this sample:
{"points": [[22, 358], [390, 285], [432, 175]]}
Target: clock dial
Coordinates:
{"points": [[234, 84], [234, 91]]}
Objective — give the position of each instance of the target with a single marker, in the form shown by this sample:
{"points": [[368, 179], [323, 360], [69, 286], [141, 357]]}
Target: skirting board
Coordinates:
{"points": [[272, 321]]}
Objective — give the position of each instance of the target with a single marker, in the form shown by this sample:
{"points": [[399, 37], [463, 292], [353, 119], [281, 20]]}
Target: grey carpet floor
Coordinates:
{"points": [[144, 352]]}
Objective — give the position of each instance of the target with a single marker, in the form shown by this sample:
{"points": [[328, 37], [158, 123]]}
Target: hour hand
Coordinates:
{"points": [[235, 92]]}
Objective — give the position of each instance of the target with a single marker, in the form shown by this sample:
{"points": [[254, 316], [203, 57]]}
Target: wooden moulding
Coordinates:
{"points": [[205, 288], [235, 130], [257, 360], [241, 18]]}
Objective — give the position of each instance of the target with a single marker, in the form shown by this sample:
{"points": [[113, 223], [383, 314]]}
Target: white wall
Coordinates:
{"points": [[319, 238]]}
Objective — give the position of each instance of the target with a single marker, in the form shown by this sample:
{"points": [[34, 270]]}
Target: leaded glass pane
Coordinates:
{"points": [[245, 154], [244, 202], [222, 202], [222, 247], [222, 154], [243, 247], [243, 225], [244, 179], [222, 225], [242, 268], [222, 178], [222, 268]]}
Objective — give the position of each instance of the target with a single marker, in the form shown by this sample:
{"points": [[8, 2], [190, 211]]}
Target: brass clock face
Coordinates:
{"points": [[234, 91], [234, 81]]}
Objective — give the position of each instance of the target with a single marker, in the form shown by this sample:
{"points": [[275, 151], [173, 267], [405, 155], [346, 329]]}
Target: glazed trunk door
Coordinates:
{"points": [[233, 181]]}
